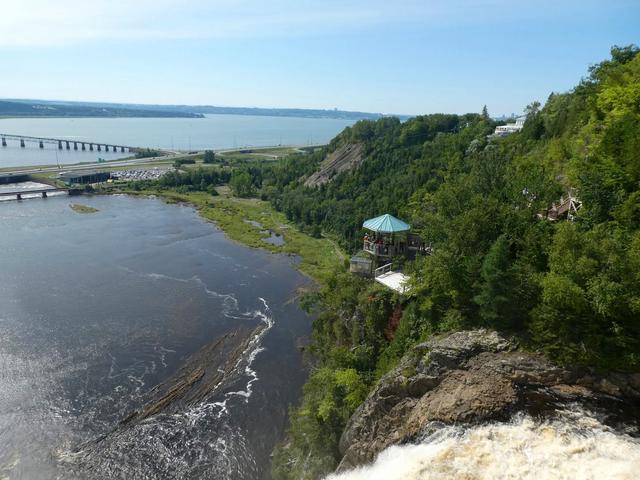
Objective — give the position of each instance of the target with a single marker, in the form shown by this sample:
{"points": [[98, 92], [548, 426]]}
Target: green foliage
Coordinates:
{"points": [[494, 297], [202, 179], [242, 184], [147, 153], [179, 162], [209, 156], [571, 289]]}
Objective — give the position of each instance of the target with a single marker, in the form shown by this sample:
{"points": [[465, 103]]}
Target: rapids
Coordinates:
{"points": [[574, 445]]}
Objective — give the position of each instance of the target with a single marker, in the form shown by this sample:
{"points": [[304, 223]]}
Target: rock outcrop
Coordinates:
{"points": [[343, 159], [473, 377]]}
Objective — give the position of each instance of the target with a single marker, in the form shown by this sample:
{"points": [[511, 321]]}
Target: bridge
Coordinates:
{"points": [[62, 143], [43, 192]]}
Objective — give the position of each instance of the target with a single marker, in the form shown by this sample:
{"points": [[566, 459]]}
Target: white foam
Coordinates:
{"points": [[575, 446]]}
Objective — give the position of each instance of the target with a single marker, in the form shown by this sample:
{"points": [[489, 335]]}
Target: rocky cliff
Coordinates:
{"points": [[343, 159], [472, 377]]}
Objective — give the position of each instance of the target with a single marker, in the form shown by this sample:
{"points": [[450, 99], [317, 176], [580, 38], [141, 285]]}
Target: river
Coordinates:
{"points": [[210, 132], [99, 308]]}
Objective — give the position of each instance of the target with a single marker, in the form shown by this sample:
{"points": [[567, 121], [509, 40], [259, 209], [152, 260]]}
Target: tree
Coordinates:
{"points": [[209, 156], [485, 113], [493, 298], [241, 184]]}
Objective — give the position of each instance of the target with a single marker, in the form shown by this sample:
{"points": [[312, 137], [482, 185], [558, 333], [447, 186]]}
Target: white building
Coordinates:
{"points": [[509, 128]]}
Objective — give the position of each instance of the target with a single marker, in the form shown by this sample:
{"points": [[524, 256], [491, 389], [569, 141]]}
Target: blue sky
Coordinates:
{"points": [[402, 56]]}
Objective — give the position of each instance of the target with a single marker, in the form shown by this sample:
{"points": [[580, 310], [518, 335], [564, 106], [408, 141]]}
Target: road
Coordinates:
{"points": [[97, 165], [172, 155]]}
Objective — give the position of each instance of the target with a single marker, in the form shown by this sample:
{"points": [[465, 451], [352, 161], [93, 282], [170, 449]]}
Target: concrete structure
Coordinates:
{"points": [[42, 192], [71, 178], [361, 265], [24, 139], [396, 281], [6, 178]]}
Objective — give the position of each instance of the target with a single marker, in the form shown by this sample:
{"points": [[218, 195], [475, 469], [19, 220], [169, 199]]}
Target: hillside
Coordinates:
{"points": [[149, 110], [29, 108], [568, 289]]}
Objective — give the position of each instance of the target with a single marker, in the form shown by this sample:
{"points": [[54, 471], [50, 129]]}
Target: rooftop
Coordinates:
{"points": [[386, 224]]}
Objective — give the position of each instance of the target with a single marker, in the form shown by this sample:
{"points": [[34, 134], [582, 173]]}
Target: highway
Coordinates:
{"points": [[96, 165], [171, 155]]}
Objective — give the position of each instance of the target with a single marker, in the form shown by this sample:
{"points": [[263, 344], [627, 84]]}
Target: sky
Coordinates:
{"points": [[387, 56]]}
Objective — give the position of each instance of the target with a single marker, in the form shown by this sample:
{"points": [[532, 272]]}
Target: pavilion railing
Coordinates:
{"points": [[381, 249]]}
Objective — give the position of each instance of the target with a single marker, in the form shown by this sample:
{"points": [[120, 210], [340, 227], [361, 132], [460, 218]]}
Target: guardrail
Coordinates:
{"points": [[382, 270]]}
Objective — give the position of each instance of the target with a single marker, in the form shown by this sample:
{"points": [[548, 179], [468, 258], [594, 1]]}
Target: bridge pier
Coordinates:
{"points": [[106, 148], [99, 148], [59, 144], [84, 147], [67, 145], [21, 143], [121, 149], [18, 196], [41, 144], [75, 145], [4, 142], [91, 147], [44, 194]]}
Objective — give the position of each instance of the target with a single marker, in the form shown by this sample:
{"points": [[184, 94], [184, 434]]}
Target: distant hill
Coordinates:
{"points": [[38, 108], [52, 108]]}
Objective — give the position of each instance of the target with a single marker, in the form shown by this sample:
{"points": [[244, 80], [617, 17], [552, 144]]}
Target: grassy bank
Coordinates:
{"points": [[79, 208], [319, 256]]}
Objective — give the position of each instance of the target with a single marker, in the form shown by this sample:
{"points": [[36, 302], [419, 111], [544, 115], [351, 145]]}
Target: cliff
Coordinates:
{"points": [[472, 377], [343, 159]]}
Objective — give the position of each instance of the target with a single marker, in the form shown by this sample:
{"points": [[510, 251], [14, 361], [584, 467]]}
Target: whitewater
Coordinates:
{"points": [[574, 445]]}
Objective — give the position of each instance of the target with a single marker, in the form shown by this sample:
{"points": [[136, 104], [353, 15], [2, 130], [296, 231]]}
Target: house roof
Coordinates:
{"points": [[386, 224]]}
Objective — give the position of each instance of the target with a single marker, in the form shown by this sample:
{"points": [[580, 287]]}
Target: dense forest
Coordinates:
{"points": [[569, 287]]}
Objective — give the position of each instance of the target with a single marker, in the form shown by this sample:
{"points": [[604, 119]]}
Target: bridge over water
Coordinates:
{"points": [[43, 192], [65, 144]]}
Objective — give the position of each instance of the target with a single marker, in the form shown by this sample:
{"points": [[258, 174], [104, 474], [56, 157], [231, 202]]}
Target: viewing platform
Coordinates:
{"points": [[397, 281], [387, 238]]}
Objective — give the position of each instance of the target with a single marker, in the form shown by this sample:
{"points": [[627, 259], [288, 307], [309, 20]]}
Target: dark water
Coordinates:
{"points": [[98, 308]]}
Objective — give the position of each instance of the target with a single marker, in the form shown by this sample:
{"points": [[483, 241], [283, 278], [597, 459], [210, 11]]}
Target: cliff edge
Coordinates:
{"points": [[471, 377]]}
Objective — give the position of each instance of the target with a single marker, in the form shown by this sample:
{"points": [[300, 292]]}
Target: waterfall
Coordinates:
{"points": [[574, 445]]}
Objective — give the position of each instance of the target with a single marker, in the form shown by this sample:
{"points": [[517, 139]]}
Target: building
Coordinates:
{"points": [[6, 178], [71, 178], [509, 128], [386, 238], [566, 209]]}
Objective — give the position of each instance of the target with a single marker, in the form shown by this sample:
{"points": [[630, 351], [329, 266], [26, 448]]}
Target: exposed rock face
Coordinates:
{"points": [[343, 159], [471, 377]]}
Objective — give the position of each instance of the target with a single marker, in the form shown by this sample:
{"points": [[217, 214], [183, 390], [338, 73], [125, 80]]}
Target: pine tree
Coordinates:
{"points": [[493, 298]]}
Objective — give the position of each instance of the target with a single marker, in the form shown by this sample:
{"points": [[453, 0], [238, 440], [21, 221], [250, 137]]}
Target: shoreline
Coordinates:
{"points": [[250, 222]]}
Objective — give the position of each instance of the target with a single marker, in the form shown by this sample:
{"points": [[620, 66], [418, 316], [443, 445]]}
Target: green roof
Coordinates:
{"points": [[386, 224]]}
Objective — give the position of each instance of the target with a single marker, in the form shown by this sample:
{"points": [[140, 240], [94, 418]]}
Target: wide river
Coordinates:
{"points": [[99, 308], [211, 132]]}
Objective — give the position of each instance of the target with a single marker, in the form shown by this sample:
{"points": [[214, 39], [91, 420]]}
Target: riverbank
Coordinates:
{"points": [[254, 223]]}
